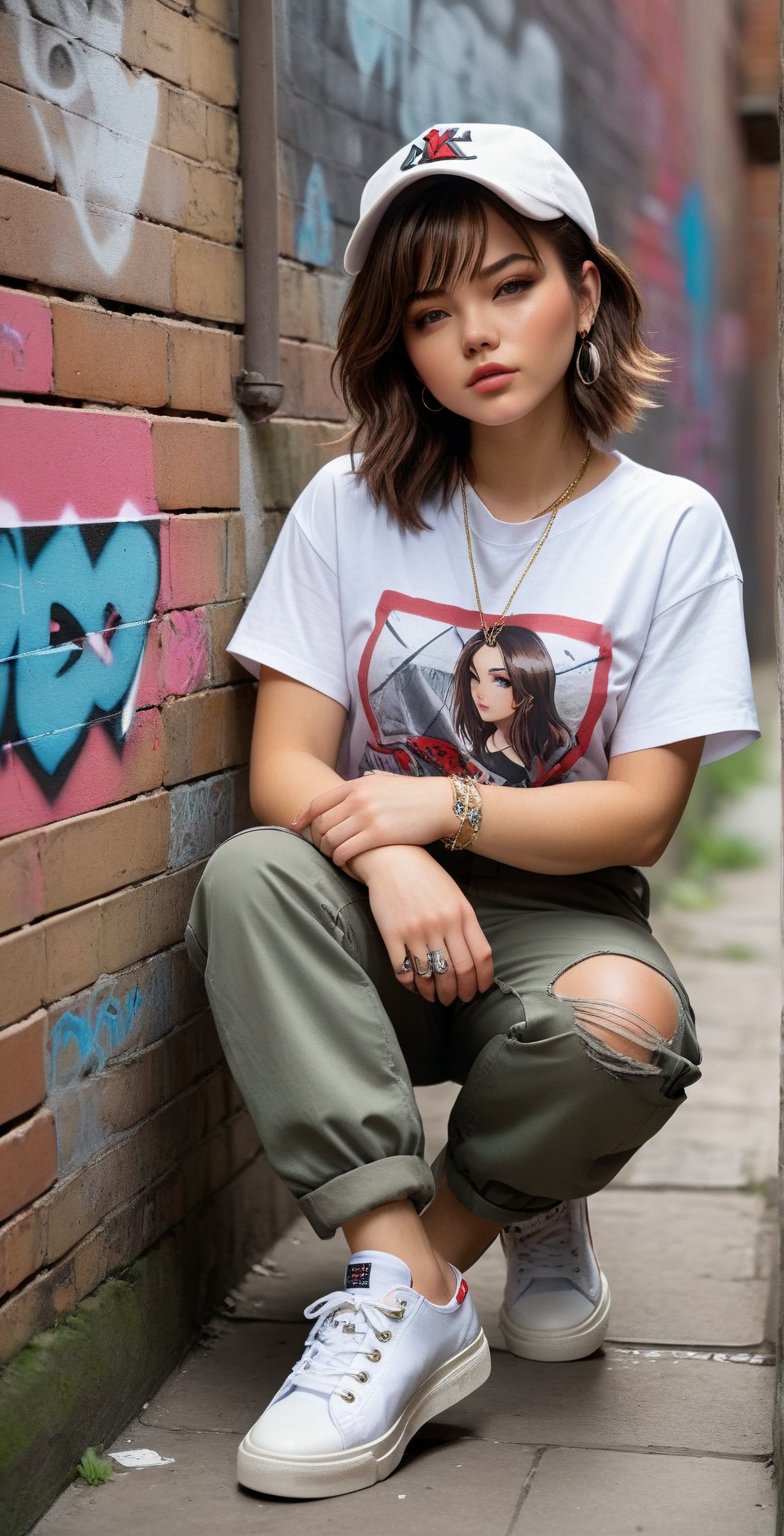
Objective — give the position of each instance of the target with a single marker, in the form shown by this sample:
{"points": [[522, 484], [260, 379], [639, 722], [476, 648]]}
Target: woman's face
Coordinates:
{"points": [[494, 347], [491, 688]]}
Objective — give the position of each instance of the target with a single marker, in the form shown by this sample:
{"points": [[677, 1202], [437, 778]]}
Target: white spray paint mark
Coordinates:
{"points": [[94, 117], [141, 1459]]}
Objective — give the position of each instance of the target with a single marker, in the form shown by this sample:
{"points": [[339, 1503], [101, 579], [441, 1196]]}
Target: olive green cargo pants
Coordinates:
{"points": [[325, 1043]]}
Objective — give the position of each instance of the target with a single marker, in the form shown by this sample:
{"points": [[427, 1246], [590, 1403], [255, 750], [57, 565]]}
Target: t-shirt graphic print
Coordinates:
{"points": [[627, 634], [438, 700]]}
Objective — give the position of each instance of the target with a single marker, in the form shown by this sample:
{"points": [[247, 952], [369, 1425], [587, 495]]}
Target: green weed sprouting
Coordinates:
{"points": [[93, 1468]]}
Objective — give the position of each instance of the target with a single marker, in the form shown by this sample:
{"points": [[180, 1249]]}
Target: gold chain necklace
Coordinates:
{"points": [[492, 632]]}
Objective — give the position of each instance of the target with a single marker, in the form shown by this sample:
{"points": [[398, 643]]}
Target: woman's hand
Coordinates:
{"points": [[418, 907], [377, 811]]}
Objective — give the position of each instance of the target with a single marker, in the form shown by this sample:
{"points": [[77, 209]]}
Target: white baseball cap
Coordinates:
{"points": [[514, 163]]}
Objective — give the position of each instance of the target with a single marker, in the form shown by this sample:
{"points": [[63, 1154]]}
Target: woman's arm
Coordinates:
{"points": [[558, 829], [416, 904], [294, 749]]}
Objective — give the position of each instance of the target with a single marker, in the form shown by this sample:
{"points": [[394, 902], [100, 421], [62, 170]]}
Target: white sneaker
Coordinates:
{"points": [[557, 1300], [378, 1362]]}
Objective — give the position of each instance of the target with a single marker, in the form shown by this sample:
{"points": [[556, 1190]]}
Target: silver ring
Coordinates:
{"points": [[404, 969], [438, 962], [422, 970]]}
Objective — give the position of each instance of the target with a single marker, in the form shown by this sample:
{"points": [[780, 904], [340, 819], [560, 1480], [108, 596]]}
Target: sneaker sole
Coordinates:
{"points": [[323, 1477], [559, 1343]]}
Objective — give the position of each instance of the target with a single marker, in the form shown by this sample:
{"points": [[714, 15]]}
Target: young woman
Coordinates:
{"points": [[414, 925]]}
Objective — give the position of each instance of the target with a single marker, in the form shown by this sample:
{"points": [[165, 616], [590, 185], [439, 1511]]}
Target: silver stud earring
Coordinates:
{"points": [[588, 362], [433, 409]]}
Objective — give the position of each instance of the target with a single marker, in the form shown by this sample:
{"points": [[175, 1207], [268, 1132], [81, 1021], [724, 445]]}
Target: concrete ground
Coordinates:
{"points": [[666, 1431]]}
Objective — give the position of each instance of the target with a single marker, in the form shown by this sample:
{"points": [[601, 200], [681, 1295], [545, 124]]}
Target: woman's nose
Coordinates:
{"points": [[478, 333]]}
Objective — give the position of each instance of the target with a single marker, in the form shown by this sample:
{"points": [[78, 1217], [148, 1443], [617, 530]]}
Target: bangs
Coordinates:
{"points": [[436, 236]]}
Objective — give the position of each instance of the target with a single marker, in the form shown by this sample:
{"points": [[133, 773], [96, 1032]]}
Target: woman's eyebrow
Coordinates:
{"points": [[496, 266]]}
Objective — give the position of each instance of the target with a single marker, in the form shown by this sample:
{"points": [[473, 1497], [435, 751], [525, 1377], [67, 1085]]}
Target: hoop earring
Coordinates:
{"points": [[433, 409], [588, 362]]}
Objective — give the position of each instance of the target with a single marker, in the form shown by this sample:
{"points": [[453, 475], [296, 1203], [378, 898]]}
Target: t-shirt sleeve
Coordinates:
{"points": [[693, 676], [293, 619]]}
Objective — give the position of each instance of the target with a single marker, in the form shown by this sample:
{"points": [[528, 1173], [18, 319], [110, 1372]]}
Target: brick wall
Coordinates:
{"points": [[136, 511], [124, 726]]}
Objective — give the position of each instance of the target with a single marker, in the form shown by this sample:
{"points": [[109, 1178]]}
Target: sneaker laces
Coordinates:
{"points": [[549, 1250], [333, 1345]]}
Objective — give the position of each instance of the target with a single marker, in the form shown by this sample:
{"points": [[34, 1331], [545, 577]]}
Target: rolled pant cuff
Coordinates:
{"points": [[478, 1206], [361, 1189]]}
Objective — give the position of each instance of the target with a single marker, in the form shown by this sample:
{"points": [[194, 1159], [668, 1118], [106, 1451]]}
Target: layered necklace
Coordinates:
{"points": [[492, 631]]}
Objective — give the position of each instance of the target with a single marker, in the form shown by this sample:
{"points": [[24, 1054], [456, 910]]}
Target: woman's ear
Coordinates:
{"points": [[589, 293]]}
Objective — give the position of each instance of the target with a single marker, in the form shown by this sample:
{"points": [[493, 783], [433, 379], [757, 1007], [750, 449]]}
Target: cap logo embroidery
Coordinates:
{"points": [[439, 146]]}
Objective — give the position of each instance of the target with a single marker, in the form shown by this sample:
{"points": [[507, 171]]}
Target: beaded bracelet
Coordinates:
{"points": [[467, 806]]}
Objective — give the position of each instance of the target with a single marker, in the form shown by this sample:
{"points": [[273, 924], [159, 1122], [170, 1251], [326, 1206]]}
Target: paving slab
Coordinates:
{"points": [[618, 1399], [444, 1484], [622, 1399], [611, 1493]]}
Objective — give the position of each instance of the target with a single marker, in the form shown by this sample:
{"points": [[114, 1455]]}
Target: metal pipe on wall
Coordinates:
{"points": [[257, 388]]}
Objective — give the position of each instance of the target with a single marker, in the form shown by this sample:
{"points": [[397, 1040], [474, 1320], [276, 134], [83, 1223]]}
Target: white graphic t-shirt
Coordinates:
{"points": [[626, 633]]}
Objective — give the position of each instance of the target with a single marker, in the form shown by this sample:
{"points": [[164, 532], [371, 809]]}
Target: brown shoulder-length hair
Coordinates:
{"points": [[537, 730], [433, 235]]}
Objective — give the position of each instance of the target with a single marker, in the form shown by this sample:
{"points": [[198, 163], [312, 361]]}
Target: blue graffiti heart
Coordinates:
{"points": [[82, 626], [9, 613]]}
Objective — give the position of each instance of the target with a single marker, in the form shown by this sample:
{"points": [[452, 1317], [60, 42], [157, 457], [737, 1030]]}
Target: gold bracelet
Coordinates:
{"points": [[467, 806]]}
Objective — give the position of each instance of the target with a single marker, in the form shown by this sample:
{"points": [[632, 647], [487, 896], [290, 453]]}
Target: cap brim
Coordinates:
{"points": [[362, 237]]}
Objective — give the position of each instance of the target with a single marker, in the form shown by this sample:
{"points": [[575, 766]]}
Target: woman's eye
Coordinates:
{"points": [[503, 682], [428, 317], [515, 285]]}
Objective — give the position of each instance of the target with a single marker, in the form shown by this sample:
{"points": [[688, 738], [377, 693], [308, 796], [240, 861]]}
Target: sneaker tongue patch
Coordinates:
{"points": [[375, 1273]]}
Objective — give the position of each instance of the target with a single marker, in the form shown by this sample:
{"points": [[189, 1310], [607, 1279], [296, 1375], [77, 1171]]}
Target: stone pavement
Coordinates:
{"points": [[666, 1431]]}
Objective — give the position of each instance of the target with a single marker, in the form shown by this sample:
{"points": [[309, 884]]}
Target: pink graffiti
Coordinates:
{"points": [[63, 465], [25, 343]]}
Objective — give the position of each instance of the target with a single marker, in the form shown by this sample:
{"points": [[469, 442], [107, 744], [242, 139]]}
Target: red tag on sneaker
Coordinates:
{"points": [[462, 1292]]}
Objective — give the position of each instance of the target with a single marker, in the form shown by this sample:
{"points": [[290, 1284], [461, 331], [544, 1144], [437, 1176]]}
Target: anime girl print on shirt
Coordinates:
{"points": [[438, 699]]}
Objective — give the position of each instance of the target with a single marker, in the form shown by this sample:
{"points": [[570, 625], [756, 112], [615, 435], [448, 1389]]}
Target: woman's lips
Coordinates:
{"points": [[488, 382]]}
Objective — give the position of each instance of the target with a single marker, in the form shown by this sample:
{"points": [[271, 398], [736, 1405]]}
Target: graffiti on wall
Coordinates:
{"points": [[95, 118], [438, 63], [80, 568], [82, 1042]]}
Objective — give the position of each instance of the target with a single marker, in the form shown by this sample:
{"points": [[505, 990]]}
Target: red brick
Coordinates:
{"points": [[222, 620], [106, 935], [22, 1074], [101, 355], [28, 1163], [196, 462], [197, 562], [22, 968], [157, 39], [21, 147], [22, 1247], [151, 916], [222, 14], [40, 241], [200, 366], [72, 944], [186, 123], [306, 380], [208, 279], [184, 663], [26, 365], [90, 855], [199, 198], [223, 140], [207, 731], [213, 66], [20, 880]]}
